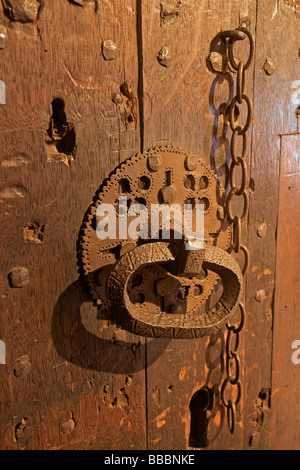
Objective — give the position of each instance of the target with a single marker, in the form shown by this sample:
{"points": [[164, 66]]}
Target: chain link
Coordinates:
{"points": [[239, 129], [237, 233], [232, 40], [233, 363], [233, 146], [229, 213], [240, 83], [242, 163]]}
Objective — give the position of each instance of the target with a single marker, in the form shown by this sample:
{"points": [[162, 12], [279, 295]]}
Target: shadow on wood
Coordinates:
{"points": [[79, 346]]}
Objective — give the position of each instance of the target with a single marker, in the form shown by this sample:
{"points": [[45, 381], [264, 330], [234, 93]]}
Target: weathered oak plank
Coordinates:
{"points": [[86, 384], [285, 374], [274, 112], [181, 106]]}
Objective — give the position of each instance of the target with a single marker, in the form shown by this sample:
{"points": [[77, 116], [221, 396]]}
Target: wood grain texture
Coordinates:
{"points": [[285, 408], [72, 380], [274, 111], [181, 106], [86, 386]]}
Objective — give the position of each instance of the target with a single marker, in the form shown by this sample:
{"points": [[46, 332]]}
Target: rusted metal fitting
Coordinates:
{"points": [[260, 295], [217, 62], [68, 426], [191, 162], [22, 366], [24, 11], [154, 162], [146, 281], [18, 277], [221, 213], [191, 260], [169, 14], [262, 230], [169, 194], [164, 57], [109, 49], [117, 98], [269, 66], [234, 35], [164, 286]]}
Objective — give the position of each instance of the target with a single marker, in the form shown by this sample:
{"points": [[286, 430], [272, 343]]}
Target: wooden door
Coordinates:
{"points": [[84, 91]]}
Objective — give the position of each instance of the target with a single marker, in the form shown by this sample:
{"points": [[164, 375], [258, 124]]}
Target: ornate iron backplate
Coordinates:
{"points": [[137, 283]]}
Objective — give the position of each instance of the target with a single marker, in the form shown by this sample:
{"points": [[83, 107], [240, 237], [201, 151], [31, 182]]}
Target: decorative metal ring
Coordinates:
{"points": [[233, 145], [233, 62], [242, 163], [241, 130], [230, 216]]}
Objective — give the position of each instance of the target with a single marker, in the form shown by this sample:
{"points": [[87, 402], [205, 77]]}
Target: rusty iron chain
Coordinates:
{"points": [[233, 363]]}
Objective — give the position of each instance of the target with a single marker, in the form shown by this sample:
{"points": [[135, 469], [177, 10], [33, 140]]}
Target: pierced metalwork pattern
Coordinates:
{"points": [[140, 287]]}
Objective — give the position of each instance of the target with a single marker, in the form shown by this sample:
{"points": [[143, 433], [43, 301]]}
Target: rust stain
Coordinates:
{"points": [[156, 396], [182, 373], [129, 423], [217, 419], [74, 442], [75, 329], [85, 86], [254, 269], [267, 272], [34, 232], [160, 419], [127, 103], [275, 391], [196, 353], [206, 370], [261, 406]]}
